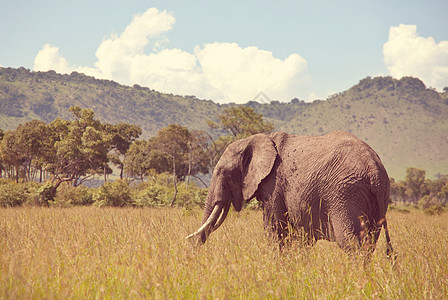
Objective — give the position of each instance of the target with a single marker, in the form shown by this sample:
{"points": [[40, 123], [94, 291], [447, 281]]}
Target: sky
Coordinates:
{"points": [[230, 51]]}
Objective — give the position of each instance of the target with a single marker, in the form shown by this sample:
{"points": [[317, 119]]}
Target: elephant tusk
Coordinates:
{"points": [[222, 217], [210, 221]]}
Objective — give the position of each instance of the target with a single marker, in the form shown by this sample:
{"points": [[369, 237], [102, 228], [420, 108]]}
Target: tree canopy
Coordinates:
{"points": [[241, 122], [83, 147], [69, 151], [238, 122]]}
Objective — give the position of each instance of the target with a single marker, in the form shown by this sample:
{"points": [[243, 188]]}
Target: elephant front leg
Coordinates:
{"points": [[275, 221]]}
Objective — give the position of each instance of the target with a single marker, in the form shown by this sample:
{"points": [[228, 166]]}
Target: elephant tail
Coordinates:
{"points": [[381, 190], [389, 250]]}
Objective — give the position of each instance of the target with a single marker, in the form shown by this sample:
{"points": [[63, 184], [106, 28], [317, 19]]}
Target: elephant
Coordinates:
{"points": [[333, 187]]}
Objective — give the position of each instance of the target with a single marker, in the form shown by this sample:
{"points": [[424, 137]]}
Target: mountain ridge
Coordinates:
{"points": [[405, 122]]}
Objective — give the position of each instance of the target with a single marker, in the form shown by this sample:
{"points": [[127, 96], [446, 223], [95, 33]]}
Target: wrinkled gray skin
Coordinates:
{"points": [[334, 186]]}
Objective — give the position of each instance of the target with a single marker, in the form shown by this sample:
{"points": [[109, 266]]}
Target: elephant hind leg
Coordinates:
{"points": [[370, 232], [355, 233], [346, 231]]}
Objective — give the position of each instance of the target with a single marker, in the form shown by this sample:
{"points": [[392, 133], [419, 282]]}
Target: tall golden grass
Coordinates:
{"points": [[88, 252]]}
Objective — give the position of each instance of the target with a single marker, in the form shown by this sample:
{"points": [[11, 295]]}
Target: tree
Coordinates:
{"points": [[37, 142], [175, 141], [415, 179], [443, 194], [142, 157], [80, 148], [239, 122], [397, 191], [24, 150], [122, 135], [198, 159], [11, 154], [136, 163]]}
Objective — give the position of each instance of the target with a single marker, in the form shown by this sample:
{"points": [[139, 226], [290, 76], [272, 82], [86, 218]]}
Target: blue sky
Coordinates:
{"points": [[229, 51]]}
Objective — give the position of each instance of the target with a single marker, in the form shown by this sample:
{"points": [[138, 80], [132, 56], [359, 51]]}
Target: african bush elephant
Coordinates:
{"points": [[333, 186]]}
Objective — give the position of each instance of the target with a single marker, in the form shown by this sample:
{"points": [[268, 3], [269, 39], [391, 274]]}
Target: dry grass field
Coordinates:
{"points": [[86, 253]]}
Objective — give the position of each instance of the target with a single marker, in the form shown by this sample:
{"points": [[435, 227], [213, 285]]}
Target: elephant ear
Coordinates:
{"points": [[257, 162]]}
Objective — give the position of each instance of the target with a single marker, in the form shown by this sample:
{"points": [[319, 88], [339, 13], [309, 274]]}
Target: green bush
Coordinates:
{"points": [[189, 197], [116, 193], [68, 195], [12, 194], [44, 194], [151, 195], [84, 196], [16, 194], [400, 208], [434, 210], [159, 191], [428, 201]]}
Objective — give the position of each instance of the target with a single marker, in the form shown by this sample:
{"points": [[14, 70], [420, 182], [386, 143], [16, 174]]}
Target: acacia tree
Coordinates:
{"points": [[239, 122], [397, 190], [443, 193], [11, 155], [198, 161], [174, 141], [80, 148], [23, 150], [142, 157], [136, 163], [122, 135], [415, 180], [35, 141]]}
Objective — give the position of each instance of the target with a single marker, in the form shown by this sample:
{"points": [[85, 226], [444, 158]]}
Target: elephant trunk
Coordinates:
{"points": [[215, 213]]}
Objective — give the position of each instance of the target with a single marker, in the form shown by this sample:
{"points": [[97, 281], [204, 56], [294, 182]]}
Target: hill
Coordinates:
{"points": [[405, 122], [26, 95]]}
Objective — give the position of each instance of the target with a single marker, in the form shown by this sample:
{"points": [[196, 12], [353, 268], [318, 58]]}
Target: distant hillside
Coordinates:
{"points": [[26, 95], [406, 123]]}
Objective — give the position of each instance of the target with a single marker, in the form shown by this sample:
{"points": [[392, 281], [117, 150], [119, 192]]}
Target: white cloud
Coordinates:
{"points": [[49, 59], [118, 54], [408, 54], [239, 74], [224, 72]]}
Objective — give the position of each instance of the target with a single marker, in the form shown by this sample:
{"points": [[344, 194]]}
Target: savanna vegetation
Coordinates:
{"points": [[111, 253], [47, 164], [403, 120], [418, 192], [135, 181]]}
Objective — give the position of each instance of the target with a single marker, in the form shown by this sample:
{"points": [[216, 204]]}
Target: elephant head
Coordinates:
{"points": [[240, 170]]}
